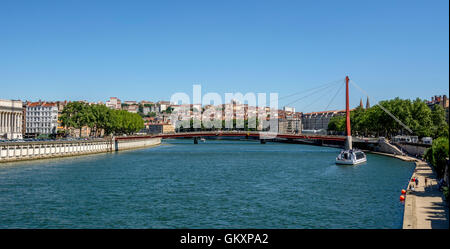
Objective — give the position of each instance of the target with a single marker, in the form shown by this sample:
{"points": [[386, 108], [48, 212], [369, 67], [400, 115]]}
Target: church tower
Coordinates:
{"points": [[367, 103]]}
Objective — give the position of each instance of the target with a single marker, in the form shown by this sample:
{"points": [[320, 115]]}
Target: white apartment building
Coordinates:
{"points": [[162, 105], [114, 103], [41, 118], [11, 119], [289, 109]]}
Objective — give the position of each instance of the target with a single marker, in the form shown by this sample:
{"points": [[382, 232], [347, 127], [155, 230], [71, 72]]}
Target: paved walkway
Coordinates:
{"points": [[401, 157], [425, 207]]}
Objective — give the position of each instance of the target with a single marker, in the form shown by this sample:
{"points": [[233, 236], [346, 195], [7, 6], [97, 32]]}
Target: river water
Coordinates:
{"points": [[216, 184]]}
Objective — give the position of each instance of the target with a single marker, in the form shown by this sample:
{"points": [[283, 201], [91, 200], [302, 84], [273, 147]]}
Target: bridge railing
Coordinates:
{"points": [[236, 133]]}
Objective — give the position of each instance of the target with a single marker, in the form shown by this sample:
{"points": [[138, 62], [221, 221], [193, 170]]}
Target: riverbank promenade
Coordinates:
{"points": [[425, 207]]}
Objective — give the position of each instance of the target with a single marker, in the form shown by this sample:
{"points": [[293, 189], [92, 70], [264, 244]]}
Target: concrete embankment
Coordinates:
{"points": [[19, 151], [414, 148], [134, 143], [401, 157], [425, 207]]}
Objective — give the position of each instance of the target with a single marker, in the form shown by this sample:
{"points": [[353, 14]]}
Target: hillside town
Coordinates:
{"points": [[25, 119]]}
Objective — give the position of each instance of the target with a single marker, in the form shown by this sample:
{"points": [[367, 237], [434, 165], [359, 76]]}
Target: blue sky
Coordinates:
{"points": [[148, 50]]}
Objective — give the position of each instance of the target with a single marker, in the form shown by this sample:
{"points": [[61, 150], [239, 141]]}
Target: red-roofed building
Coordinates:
{"points": [[442, 101]]}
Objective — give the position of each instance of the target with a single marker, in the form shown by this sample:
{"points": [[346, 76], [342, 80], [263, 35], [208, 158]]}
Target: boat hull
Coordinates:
{"points": [[350, 162], [351, 157]]}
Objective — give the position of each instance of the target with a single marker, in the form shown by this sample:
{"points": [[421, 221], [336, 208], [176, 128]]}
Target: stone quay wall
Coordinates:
{"points": [[18, 151]]}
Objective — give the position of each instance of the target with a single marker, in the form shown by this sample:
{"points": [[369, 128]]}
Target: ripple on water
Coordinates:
{"points": [[217, 184]]}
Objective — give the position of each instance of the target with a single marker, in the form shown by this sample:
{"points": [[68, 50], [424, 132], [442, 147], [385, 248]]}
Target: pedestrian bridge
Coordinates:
{"points": [[245, 134], [314, 139]]}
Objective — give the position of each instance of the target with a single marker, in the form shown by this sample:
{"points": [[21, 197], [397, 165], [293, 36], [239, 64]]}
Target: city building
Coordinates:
{"points": [[160, 128], [367, 103], [147, 107], [289, 109], [114, 103], [11, 115], [319, 120], [146, 110], [130, 102], [438, 100], [60, 105], [130, 108], [41, 118], [162, 105], [24, 121], [442, 101], [145, 102], [289, 122]]}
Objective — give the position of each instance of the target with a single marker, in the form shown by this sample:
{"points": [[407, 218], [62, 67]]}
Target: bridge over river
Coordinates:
{"points": [[263, 137]]}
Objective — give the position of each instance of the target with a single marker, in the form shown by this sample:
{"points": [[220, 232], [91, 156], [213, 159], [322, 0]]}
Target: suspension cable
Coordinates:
{"points": [[312, 93], [319, 98], [382, 108], [338, 91], [305, 91]]}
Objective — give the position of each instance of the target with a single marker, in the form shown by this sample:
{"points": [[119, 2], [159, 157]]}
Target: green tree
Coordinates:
{"points": [[337, 124], [169, 110], [100, 118], [440, 126], [357, 118], [437, 155], [421, 122], [375, 121], [76, 115]]}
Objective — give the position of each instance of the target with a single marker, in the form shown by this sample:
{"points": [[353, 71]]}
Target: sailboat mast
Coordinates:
{"points": [[348, 141]]}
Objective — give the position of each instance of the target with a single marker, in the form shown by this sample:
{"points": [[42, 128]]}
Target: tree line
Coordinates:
{"points": [[423, 121], [437, 155], [100, 118]]}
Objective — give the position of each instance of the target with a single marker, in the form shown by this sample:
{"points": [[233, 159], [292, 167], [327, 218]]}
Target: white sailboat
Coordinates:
{"points": [[349, 156]]}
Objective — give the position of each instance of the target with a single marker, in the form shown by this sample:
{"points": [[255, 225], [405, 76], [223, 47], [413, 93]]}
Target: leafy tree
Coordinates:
{"points": [[375, 121], [100, 117], [78, 115], [437, 155], [169, 110], [357, 121], [440, 126], [421, 123], [337, 124]]}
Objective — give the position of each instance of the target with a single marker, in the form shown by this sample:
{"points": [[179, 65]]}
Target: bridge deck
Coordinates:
{"points": [[240, 134]]}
